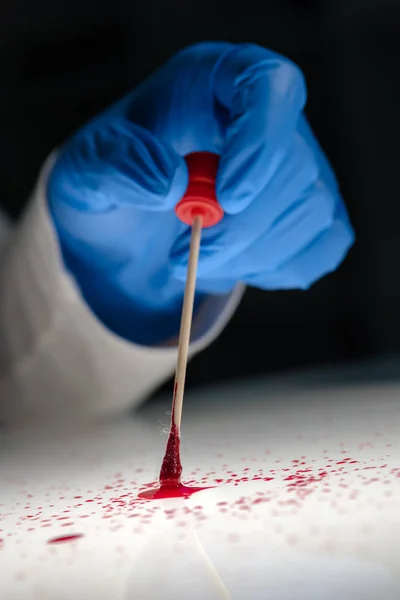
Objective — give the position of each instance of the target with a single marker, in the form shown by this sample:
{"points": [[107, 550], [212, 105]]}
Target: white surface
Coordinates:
{"points": [[336, 537]]}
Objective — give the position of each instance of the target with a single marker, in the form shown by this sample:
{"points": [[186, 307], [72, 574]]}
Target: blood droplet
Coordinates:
{"points": [[65, 538]]}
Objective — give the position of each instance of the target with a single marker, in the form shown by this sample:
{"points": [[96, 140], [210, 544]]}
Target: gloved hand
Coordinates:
{"points": [[115, 183]]}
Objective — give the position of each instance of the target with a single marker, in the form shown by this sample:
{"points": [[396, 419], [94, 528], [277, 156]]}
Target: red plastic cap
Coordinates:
{"points": [[200, 197]]}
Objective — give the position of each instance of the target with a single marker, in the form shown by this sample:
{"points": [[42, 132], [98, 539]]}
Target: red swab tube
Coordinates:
{"points": [[200, 198]]}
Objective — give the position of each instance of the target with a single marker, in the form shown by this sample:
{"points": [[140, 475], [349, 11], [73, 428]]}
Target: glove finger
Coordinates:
{"points": [[235, 233], [264, 94], [322, 256], [251, 238], [177, 103], [114, 162], [293, 231]]}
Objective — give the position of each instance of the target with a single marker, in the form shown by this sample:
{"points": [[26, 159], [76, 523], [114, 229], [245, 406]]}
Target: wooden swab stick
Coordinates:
{"points": [[186, 322], [198, 208]]}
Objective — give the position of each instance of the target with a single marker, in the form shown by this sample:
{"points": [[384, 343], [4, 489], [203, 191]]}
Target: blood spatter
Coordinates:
{"points": [[119, 498], [65, 538]]}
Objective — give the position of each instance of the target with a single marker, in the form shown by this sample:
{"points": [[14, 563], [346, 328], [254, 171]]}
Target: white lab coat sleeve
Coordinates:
{"points": [[56, 358]]}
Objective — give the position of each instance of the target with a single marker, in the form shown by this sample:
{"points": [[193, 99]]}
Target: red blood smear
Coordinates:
{"points": [[171, 468], [65, 538]]}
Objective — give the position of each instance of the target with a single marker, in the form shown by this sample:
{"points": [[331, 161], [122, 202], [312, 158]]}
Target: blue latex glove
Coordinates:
{"points": [[115, 183]]}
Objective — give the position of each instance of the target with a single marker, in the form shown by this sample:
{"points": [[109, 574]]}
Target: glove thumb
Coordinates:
{"points": [[113, 162]]}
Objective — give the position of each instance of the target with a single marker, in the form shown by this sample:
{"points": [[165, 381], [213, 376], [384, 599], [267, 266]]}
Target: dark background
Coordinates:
{"points": [[63, 61]]}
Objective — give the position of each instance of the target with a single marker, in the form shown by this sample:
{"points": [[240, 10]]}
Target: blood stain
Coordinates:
{"points": [[65, 538], [164, 491]]}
